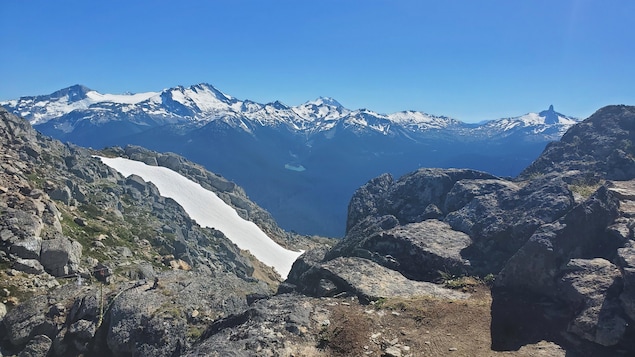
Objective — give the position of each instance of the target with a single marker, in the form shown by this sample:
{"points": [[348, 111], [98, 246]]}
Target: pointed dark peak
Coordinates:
{"points": [[550, 115]]}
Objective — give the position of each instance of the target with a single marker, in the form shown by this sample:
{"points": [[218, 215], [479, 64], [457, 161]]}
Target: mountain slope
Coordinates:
{"points": [[209, 211]]}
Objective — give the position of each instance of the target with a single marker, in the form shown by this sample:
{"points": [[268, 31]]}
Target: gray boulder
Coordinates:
{"points": [[24, 225], [498, 215], [140, 326], [28, 248], [28, 320], [3, 311], [38, 346], [420, 251], [29, 266], [363, 278], [62, 193], [280, 326], [60, 256], [626, 261], [586, 283]]}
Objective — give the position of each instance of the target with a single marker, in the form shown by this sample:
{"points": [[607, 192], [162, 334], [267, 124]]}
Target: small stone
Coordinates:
{"points": [[395, 313], [427, 342], [3, 311], [194, 314], [375, 335], [12, 301], [79, 221], [394, 341], [453, 349], [392, 351]]}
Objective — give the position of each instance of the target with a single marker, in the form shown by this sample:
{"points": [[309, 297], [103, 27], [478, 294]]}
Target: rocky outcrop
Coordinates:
{"points": [[579, 234], [452, 221], [283, 325]]}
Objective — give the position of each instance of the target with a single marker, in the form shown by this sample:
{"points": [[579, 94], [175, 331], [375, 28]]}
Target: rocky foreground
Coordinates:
{"points": [[97, 264]]}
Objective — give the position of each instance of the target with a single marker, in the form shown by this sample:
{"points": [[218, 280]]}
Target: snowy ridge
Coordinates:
{"points": [[210, 211], [548, 122], [202, 103]]}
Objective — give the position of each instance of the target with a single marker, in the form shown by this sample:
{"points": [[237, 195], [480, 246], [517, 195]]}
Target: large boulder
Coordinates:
{"points": [[141, 325], [60, 256], [363, 278], [28, 320], [280, 326], [420, 251], [37, 347], [592, 286]]}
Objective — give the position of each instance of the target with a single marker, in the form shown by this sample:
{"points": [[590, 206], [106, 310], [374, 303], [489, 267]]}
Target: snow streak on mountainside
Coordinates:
{"points": [[202, 103], [210, 211]]}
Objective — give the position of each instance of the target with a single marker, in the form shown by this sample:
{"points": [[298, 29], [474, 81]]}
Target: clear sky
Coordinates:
{"points": [[471, 60]]}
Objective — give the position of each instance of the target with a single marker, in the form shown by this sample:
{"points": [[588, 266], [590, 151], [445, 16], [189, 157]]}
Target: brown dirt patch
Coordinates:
{"points": [[418, 327]]}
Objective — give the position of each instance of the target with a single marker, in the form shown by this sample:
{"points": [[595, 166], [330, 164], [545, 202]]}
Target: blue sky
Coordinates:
{"points": [[471, 60]]}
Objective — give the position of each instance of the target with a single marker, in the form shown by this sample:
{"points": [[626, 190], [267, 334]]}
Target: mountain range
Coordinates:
{"points": [[318, 152]]}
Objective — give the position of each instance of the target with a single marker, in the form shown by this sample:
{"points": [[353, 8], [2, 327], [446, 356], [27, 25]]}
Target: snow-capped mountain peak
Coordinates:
{"points": [[321, 109], [200, 98], [325, 101]]}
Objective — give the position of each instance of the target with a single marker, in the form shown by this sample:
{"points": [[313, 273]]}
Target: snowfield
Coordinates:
{"points": [[209, 210]]}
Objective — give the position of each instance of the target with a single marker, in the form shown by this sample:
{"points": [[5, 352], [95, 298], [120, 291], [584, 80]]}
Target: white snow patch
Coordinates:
{"points": [[120, 98], [209, 210]]}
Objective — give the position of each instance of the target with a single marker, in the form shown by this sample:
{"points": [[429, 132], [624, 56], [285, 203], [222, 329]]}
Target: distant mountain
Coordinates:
{"points": [[299, 162]]}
